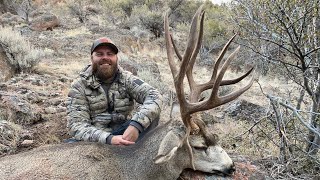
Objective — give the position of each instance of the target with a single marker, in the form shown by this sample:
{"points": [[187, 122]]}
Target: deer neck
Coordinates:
{"points": [[138, 159]]}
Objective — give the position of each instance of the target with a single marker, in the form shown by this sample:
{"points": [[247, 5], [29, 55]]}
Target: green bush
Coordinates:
{"points": [[124, 6], [21, 55], [182, 11], [151, 20]]}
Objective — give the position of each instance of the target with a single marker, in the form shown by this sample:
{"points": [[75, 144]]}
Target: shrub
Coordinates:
{"points": [[21, 55], [182, 11], [152, 77], [78, 9], [151, 20]]}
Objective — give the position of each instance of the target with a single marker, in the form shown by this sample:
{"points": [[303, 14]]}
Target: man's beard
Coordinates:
{"points": [[104, 72]]}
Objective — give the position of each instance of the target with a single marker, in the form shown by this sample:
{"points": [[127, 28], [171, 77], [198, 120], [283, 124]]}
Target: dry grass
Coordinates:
{"points": [[67, 67], [76, 32]]}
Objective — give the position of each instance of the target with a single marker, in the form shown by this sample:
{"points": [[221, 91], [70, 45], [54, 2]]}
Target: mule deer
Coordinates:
{"points": [[162, 154]]}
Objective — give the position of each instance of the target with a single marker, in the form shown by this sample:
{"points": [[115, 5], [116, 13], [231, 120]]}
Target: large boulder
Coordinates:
{"points": [[43, 22], [15, 109], [245, 110]]}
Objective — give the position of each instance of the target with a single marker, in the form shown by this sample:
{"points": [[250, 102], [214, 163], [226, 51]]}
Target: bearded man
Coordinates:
{"points": [[100, 102]]}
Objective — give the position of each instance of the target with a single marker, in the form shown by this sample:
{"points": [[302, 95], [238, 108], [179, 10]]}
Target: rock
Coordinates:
{"points": [[50, 110], [18, 110], [3, 85], [55, 102], [245, 110], [63, 79], [27, 143], [61, 109], [44, 22], [207, 118], [26, 134], [33, 97], [129, 67], [54, 94]]}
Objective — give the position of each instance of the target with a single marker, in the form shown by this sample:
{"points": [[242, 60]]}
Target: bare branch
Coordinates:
{"points": [[296, 113]]}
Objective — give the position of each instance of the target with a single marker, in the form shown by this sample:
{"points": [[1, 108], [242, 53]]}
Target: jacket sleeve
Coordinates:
{"points": [[149, 98], [78, 117]]}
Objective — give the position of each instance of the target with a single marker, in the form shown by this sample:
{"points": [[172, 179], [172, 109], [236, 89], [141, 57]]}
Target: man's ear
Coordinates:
{"points": [[168, 148]]}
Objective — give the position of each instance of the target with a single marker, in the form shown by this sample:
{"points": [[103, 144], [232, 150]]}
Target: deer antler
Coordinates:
{"points": [[193, 105]]}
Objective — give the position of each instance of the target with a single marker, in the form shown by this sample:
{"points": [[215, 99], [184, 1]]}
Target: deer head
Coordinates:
{"points": [[189, 107]]}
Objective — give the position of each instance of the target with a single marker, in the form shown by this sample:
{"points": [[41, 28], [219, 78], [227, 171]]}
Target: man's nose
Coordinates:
{"points": [[105, 56]]}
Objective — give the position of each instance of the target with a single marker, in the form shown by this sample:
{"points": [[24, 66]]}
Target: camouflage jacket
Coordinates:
{"points": [[92, 115]]}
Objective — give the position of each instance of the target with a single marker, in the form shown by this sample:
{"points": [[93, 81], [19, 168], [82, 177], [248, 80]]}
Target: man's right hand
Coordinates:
{"points": [[118, 140]]}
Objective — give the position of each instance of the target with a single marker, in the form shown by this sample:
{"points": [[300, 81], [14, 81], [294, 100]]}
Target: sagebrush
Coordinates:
{"points": [[22, 56]]}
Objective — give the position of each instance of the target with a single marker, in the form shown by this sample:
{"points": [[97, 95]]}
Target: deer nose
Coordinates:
{"points": [[232, 169]]}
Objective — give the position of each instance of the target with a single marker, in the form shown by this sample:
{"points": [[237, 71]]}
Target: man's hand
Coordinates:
{"points": [[118, 140], [131, 134]]}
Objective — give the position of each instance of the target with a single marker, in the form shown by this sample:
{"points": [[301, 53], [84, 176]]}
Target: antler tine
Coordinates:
{"points": [[236, 80], [235, 94], [196, 49], [222, 72], [176, 49], [190, 45], [210, 83], [169, 46], [220, 57]]}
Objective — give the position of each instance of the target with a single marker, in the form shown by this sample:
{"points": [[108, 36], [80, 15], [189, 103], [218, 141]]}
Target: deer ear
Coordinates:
{"points": [[168, 148]]}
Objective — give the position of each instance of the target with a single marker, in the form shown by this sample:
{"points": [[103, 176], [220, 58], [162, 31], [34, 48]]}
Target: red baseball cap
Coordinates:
{"points": [[104, 41]]}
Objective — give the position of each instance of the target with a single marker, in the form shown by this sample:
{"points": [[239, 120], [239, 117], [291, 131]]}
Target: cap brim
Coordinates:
{"points": [[112, 46]]}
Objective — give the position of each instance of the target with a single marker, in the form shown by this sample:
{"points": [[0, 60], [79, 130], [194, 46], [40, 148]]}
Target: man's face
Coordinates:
{"points": [[104, 62]]}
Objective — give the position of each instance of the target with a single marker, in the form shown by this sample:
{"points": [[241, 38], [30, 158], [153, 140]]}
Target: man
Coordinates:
{"points": [[100, 101]]}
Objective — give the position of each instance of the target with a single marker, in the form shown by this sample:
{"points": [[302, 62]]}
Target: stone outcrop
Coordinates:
{"points": [[18, 110], [245, 110], [44, 22]]}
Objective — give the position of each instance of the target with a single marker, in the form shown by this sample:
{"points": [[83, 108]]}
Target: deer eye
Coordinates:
{"points": [[201, 148]]}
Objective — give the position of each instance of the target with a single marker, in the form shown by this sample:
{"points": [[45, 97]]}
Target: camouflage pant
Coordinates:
{"points": [[122, 128], [125, 125]]}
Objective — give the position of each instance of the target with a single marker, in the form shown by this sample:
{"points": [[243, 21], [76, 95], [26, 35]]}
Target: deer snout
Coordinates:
{"points": [[230, 170]]}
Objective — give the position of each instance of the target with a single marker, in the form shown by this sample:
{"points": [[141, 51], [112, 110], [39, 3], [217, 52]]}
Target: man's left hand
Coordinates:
{"points": [[131, 134]]}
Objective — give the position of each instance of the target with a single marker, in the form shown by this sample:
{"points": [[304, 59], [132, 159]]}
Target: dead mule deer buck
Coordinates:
{"points": [[162, 154]]}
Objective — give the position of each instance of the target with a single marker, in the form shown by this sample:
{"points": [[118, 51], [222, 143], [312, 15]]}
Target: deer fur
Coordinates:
{"points": [[84, 160]]}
